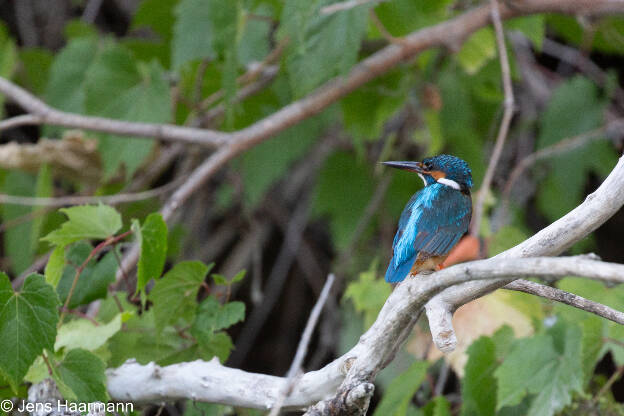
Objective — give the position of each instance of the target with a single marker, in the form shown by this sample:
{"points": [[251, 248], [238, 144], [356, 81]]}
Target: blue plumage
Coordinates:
{"points": [[435, 218]]}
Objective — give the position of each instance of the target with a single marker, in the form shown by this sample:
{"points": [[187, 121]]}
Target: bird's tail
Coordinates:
{"points": [[397, 273]]}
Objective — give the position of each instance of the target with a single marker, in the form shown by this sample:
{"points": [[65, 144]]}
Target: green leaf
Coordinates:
{"points": [[8, 59], [44, 187], [35, 69], [216, 344], [343, 190], [219, 279], [399, 393], [157, 15], [439, 406], [86, 222], [112, 72], [148, 101], [78, 29], [18, 244], [55, 265], [400, 17], [366, 110], [203, 28], [212, 316], [82, 333], [94, 279], [575, 108], [139, 339], [175, 293], [479, 384], [594, 328], [27, 325], [80, 377], [368, 294], [533, 27], [238, 276], [547, 366], [477, 50], [320, 46], [65, 89], [264, 164], [153, 238]]}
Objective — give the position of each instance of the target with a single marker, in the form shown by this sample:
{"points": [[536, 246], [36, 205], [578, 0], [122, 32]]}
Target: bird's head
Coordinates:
{"points": [[444, 169]]}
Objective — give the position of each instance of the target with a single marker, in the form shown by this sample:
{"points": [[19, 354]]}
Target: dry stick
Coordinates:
{"points": [[17, 121], [560, 147], [508, 105], [607, 386], [571, 299], [302, 348], [109, 241], [275, 281], [44, 114], [62, 201]]}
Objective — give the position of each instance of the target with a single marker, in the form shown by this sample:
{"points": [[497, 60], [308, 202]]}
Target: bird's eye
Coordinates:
{"points": [[428, 165]]}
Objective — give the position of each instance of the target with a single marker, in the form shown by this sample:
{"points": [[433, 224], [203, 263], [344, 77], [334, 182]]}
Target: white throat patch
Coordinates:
{"points": [[449, 182], [423, 178]]}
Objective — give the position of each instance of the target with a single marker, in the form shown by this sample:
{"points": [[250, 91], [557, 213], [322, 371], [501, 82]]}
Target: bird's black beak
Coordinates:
{"points": [[411, 166]]}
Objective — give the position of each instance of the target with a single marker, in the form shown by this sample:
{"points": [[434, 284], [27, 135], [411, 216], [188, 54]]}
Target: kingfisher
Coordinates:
{"points": [[434, 219]]}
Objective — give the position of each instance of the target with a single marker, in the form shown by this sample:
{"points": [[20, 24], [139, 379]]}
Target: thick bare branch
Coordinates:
{"points": [[210, 381]]}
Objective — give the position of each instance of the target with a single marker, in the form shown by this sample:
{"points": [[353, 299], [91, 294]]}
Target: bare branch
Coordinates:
{"points": [[114, 199], [44, 114], [571, 299], [212, 382], [558, 148], [508, 106], [302, 349], [21, 120]]}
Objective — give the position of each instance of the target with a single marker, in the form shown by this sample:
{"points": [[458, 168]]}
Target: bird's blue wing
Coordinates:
{"points": [[431, 224]]}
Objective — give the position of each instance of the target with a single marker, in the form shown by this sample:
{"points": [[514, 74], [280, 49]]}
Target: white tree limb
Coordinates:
{"points": [[212, 382]]}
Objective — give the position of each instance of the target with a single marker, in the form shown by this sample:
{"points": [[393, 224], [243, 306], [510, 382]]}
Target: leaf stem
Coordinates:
{"points": [[109, 241], [45, 359]]}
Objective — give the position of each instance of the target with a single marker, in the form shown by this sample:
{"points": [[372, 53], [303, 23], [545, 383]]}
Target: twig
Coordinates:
{"points": [[508, 105], [91, 11], [558, 148], [571, 299], [25, 20], [109, 241], [302, 348], [275, 281], [17, 121], [268, 75], [607, 386], [346, 5], [81, 200], [583, 63], [44, 114]]}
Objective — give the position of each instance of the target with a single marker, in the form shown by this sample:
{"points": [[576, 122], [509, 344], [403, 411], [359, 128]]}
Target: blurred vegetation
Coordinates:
{"points": [[193, 62]]}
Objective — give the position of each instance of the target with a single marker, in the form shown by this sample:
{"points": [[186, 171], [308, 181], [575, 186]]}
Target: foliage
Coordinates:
{"points": [[225, 65], [76, 351]]}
